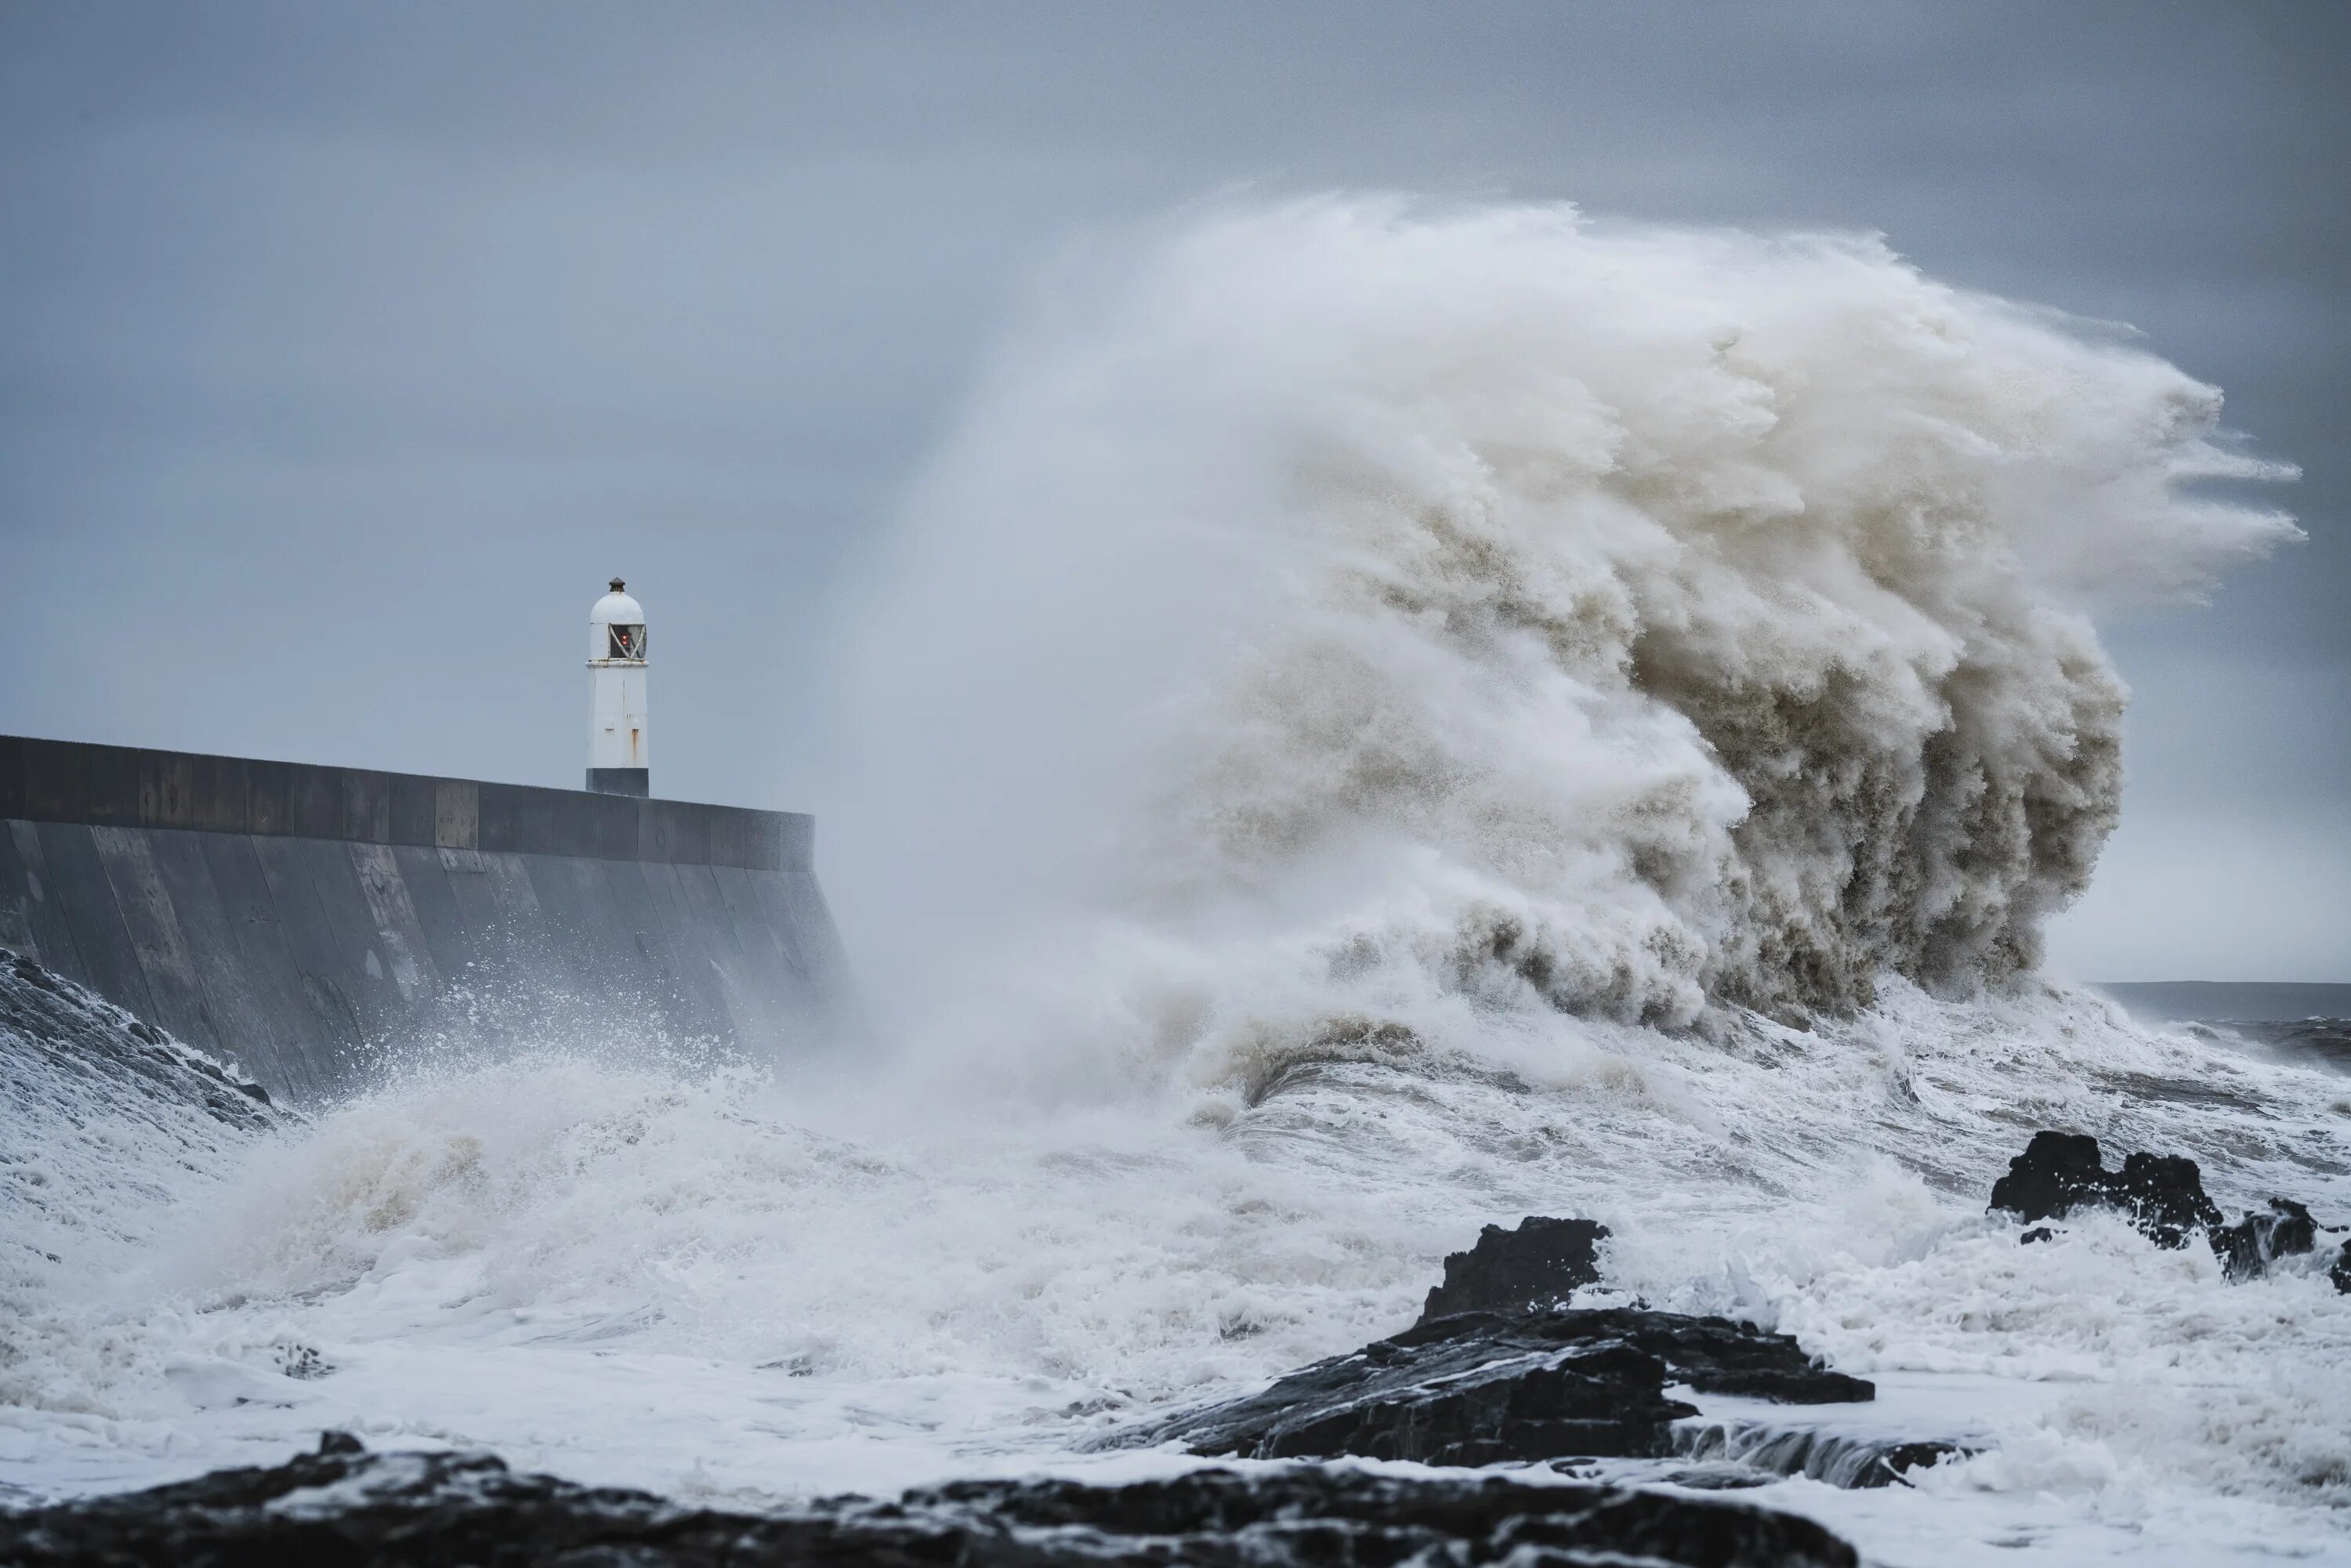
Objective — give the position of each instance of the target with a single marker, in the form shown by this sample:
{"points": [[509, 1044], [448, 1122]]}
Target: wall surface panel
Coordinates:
{"points": [[323, 927]]}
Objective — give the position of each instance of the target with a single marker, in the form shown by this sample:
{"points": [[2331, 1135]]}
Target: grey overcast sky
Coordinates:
{"points": [[346, 350]]}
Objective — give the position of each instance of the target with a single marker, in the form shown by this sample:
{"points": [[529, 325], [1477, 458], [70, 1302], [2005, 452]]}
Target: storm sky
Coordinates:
{"points": [[345, 351]]}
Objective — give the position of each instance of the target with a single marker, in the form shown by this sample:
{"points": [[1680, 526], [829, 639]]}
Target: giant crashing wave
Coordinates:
{"points": [[1423, 618]]}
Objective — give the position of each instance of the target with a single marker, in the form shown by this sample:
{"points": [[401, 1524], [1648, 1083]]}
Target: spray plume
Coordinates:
{"points": [[1344, 620]]}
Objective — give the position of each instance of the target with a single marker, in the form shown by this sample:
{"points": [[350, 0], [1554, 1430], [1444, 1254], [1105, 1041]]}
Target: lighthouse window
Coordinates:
{"points": [[628, 643]]}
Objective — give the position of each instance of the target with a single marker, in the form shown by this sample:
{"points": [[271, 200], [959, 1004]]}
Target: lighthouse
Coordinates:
{"points": [[619, 742]]}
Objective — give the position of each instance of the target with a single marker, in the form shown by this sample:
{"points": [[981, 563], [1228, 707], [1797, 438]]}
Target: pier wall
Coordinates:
{"points": [[314, 923]]}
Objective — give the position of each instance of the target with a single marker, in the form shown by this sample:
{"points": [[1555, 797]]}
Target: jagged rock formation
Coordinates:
{"points": [[1538, 1263], [345, 1506], [1478, 1388], [2061, 1174]]}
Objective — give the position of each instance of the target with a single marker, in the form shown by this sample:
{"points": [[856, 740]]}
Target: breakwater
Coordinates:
{"points": [[304, 922]]}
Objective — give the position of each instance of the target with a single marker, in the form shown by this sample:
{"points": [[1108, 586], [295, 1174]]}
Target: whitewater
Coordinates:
{"points": [[1380, 718]]}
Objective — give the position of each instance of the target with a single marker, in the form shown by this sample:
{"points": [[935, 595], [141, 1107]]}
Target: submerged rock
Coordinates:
{"points": [[343, 1505], [1477, 1389], [1850, 1461], [2250, 1245], [1538, 1264], [2061, 1173]]}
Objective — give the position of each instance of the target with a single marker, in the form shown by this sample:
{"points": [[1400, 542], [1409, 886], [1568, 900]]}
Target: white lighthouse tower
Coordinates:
{"points": [[619, 741]]}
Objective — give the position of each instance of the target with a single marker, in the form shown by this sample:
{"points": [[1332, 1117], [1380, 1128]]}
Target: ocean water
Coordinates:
{"points": [[1379, 721], [741, 1287]]}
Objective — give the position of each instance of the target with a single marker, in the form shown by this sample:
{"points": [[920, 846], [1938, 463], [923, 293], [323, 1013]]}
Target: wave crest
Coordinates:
{"points": [[1492, 606]]}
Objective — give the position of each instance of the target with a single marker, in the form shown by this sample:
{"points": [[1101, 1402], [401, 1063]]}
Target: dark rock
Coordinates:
{"points": [[408, 1510], [2250, 1245], [1478, 1388], [2341, 1273], [2061, 1173], [2164, 1194], [1898, 1459], [2055, 1171], [1722, 1355], [1538, 1264]]}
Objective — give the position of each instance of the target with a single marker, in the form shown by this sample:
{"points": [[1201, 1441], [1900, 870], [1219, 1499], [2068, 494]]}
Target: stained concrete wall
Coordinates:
{"points": [[314, 924]]}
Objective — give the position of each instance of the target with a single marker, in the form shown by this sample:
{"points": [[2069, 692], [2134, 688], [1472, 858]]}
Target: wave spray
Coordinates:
{"points": [[1350, 621]]}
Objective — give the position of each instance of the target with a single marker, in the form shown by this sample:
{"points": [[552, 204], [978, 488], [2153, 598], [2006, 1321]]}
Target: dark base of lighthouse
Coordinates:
{"points": [[636, 781]]}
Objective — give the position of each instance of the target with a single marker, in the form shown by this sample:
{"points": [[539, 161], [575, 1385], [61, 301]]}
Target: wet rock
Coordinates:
{"points": [[1853, 1462], [2250, 1245], [1722, 1355], [2341, 1273], [1477, 1389], [2061, 1173], [343, 1505], [1538, 1264]]}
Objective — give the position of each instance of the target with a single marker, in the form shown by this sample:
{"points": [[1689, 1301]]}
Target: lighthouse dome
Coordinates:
{"points": [[616, 608], [616, 628]]}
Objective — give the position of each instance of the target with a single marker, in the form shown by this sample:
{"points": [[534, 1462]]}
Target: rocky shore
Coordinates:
{"points": [[2061, 1175], [1480, 1388], [1503, 1367], [345, 1506]]}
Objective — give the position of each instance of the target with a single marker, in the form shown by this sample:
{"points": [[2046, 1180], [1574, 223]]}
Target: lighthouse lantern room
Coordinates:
{"points": [[619, 759]]}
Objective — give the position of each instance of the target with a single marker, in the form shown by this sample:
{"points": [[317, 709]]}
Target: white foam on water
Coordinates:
{"points": [[1386, 720], [721, 1288]]}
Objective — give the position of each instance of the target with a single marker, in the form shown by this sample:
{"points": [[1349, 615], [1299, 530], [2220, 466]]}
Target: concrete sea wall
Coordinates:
{"points": [[311, 924]]}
